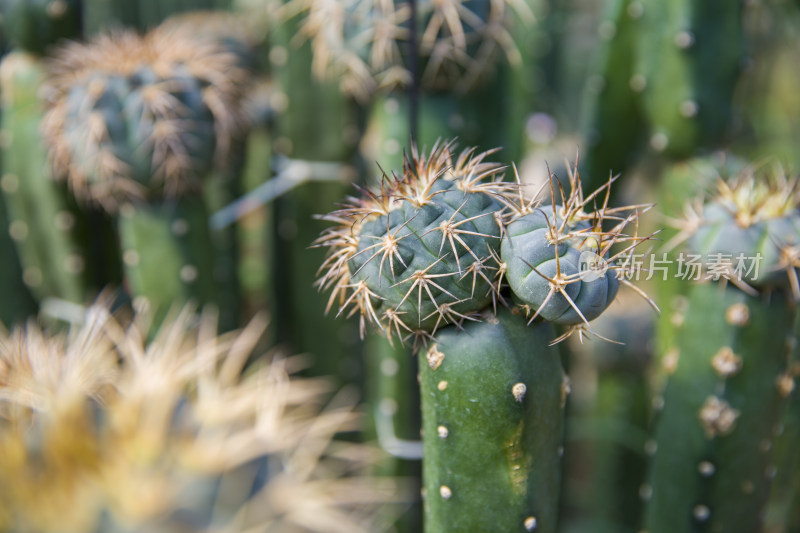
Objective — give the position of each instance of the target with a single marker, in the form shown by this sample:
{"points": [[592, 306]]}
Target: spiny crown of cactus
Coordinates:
{"points": [[422, 251], [558, 258], [365, 43], [749, 231], [103, 425], [141, 117]]}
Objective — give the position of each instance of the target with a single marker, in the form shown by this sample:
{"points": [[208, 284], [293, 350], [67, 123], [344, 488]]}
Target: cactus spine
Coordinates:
{"points": [[492, 405]]}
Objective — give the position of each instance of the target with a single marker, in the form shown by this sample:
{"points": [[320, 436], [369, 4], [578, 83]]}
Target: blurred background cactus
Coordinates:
{"points": [[412, 163]]}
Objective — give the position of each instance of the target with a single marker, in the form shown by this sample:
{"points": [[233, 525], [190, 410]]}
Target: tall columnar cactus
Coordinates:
{"points": [[690, 58], [50, 232], [728, 364], [493, 395], [36, 25], [313, 122], [116, 427], [135, 124]]}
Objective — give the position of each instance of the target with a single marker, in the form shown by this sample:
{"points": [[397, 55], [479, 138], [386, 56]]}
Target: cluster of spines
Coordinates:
{"points": [[416, 186], [364, 45], [572, 222], [88, 158]]}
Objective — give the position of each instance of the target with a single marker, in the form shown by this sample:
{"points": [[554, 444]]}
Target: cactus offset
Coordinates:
{"points": [[493, 403], [557, 257], [364, 46]]}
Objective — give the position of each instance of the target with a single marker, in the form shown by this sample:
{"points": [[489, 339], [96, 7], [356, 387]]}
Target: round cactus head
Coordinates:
{"points": [[558, 258], [365, 43], [748, 233], [422, 251], [141, 117]]}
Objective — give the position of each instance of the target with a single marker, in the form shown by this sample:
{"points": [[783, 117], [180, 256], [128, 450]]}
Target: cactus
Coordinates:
{"points": [[691, 55], [104, 430], [51, 234], [366, 46], [557, 257], [36, 25], [313, 122], [608, 420], [493, 398], [418, 254], [722, 402], [614, 123], [728, 363], [136, 124]]}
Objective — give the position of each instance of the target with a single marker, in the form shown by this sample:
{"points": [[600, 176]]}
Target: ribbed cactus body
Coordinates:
{"points": [[492, 406], [46, 226], [35, 25], [722, 407], [533, 259], [691, 56]]}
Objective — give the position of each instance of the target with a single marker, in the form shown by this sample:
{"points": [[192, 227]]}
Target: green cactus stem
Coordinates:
{"points": [[728, 359], [691, 56], [166, 253], [46, 226], [557, 258], [313, 122], [18, 303], [36, 25], [493, 397]]}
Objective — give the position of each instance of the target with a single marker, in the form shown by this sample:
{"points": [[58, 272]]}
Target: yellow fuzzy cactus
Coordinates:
{"points": [[102, 429]]}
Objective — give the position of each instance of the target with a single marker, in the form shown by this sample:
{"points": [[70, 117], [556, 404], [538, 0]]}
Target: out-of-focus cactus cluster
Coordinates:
{"points": [[536, 340]]}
